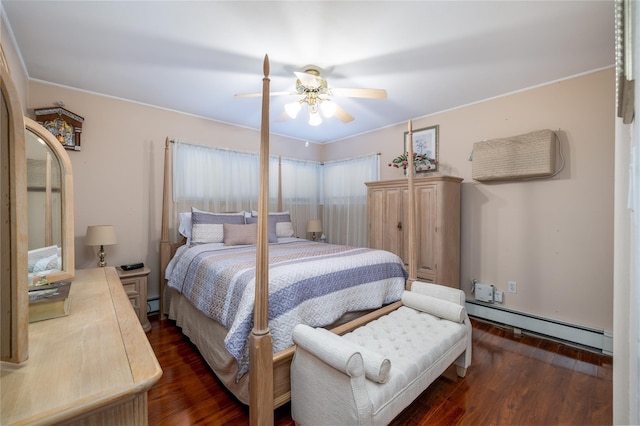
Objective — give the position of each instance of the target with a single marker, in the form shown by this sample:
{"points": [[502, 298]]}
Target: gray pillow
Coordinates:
{"points": [[273, 236]]}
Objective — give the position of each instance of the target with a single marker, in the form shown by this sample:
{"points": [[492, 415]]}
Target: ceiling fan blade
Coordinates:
{"points": [[360, 93], [257, 95], [342, 115], [283, 117]]}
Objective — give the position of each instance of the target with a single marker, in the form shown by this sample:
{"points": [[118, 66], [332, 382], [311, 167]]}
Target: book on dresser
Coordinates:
{"points": [[49, 301]]}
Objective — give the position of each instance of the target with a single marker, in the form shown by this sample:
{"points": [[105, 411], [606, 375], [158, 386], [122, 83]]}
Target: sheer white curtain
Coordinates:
{"points": [[221, 180], [216, 179], [301, 184], [345, 198], [212, 179]]}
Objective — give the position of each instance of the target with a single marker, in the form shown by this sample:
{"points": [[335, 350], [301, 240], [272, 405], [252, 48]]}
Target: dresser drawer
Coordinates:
{"points": [[131, 286]]}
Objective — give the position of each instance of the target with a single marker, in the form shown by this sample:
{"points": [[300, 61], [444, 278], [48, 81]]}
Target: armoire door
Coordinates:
{"points": [[426, 229], [385, 219]]}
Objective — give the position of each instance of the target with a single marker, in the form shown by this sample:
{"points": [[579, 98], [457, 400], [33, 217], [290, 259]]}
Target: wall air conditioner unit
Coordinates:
{"points": [[527, 156]]}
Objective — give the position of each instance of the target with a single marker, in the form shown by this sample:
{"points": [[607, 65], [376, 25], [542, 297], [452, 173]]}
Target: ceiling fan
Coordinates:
{"points": [[317, 95]]}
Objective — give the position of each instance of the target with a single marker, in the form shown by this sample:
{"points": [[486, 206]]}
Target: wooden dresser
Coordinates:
{"points": [[437, 200], [93, 367]]}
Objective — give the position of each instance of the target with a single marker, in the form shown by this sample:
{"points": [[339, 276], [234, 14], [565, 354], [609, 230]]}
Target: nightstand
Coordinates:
{"points": [[135, 284]]}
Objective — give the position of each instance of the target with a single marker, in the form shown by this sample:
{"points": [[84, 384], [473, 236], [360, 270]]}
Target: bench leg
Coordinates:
{"points": [[461, 371]]}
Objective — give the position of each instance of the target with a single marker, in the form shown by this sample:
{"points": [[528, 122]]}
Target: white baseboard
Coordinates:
{"points": [[600, 340]]}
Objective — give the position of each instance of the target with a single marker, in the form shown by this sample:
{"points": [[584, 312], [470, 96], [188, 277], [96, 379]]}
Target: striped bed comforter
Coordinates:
{"points": [[310, 283]]}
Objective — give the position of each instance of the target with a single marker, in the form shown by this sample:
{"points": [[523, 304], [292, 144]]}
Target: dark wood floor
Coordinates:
{"points": [[513, 380]]}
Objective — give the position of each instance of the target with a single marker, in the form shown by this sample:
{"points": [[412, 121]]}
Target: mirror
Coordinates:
{"points": [[50, 207]]}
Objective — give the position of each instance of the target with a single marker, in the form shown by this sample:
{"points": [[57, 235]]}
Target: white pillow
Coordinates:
{"points": [[284, 229], [184, 227], [207, 233], [434, 306]]}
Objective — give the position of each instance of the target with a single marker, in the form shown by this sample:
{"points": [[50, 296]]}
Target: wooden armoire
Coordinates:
{"points": [[437, 203]]}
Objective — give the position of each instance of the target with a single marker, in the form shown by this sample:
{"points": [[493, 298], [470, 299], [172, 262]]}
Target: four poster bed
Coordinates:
{"points": [[214, 288], [267, 286]]}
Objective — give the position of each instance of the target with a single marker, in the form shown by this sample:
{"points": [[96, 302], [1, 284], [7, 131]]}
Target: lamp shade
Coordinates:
{"points": [[100, 235], [314, 225]]}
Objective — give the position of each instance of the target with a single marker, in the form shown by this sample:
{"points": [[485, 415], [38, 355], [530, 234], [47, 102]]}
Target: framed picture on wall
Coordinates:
{"points": [[425, 143]]}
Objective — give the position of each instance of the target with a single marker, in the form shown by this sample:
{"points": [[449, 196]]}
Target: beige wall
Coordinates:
{"points": [[554, 237]]}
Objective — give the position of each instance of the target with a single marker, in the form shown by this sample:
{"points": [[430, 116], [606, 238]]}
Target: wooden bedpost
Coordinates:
{"points": [[413, 267], [165, 244], [260, 344]]}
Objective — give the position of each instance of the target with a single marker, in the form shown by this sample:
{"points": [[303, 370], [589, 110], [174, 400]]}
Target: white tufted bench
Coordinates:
{"points": [[371, 374]]}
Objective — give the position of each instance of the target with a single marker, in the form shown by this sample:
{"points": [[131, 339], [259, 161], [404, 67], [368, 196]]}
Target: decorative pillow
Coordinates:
{"points": [[273, 235], [434, 306], [206, 227], [376, 367], [240, 234], [284, 229], [279, 218]]}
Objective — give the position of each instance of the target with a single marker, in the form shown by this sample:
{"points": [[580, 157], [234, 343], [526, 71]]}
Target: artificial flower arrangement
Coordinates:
{"points": [[421, 162]]}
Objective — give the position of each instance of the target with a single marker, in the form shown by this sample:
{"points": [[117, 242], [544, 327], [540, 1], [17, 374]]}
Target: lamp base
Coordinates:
{"points": [[101, 257]]}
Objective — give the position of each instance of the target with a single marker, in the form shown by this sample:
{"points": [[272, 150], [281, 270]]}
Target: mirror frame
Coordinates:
{"points": [[66, 175], [14, 314]]}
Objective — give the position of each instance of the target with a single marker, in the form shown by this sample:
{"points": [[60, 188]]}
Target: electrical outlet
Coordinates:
{"points": [[512, 287], [497, 296]]}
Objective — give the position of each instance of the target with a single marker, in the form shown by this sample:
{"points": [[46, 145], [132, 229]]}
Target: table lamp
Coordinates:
{"points": [[101, 235], [314, 226]]}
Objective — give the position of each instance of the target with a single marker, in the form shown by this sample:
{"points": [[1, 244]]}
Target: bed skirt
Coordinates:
{"points": [[208, 336]]}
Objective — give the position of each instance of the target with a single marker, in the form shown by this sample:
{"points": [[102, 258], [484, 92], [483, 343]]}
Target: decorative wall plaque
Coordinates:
{"points": [[65, 125]]}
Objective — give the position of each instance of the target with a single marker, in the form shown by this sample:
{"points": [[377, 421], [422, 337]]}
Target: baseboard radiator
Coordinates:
{"points": [[527, 156], [153, 305], [593, 339]]}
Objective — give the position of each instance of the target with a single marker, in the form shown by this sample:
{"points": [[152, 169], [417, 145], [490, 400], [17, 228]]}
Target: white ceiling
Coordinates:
{"points": [[193, 56]]}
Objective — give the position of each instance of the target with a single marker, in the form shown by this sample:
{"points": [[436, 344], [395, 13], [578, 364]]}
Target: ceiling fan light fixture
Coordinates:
{"points": [[313, 90], [292, 109], [328, 108], [314, 118]]}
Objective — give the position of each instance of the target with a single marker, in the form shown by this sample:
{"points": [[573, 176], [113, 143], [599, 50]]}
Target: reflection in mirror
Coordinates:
{"points": [[50, 207], [45, 209]]}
